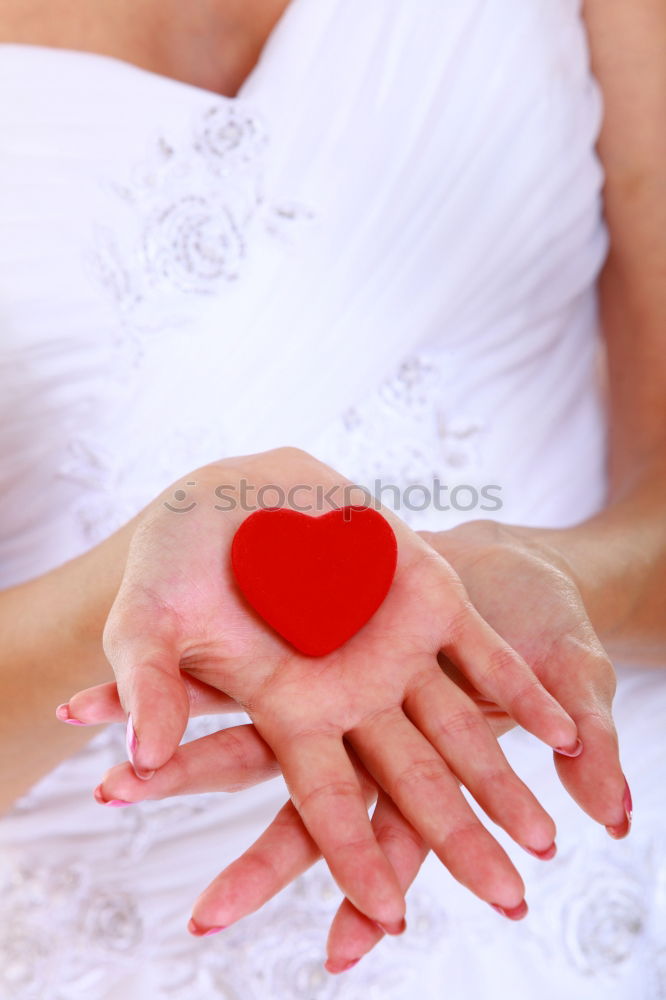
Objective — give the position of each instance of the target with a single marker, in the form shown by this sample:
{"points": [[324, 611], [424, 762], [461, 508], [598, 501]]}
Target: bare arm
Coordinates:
{"points": [[50, 631], [619, 557]]}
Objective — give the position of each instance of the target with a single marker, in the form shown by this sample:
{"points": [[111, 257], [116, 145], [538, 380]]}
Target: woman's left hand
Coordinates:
{"points": [[524, 589]]}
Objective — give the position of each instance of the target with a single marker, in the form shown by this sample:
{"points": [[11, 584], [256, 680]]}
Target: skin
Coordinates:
{"points": [[615, 564], [410, 726], [209, 44]]}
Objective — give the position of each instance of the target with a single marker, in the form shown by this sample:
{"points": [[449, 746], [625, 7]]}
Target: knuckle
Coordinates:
{"points": [[464, 722], [601, 674], [259, 862], [364, 844], [504, 662], [597, 717], [428, 775], [581, 650], [179, 775], [524, 695], [447, 845], [328, 791], [457, 621], [497, 783], [398, 836], [234, 748]]}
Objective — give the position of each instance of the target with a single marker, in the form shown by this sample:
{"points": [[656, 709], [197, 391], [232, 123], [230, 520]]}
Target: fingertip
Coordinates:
{"points": [[197, 930], [623, 829], [336, 967], [132, 743], [394, 929], [573, 750], [63, 714], [512, 913]]}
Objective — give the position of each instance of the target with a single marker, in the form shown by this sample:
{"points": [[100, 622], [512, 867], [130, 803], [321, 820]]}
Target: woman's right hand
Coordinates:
{"points": [[381, 697]]}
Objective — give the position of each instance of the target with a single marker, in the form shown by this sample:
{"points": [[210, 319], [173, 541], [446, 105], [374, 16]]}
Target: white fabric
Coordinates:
{"points": [[384, 250]]}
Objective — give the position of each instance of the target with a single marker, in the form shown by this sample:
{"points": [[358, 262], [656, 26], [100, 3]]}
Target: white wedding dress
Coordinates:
{"points": [[384, 250]]}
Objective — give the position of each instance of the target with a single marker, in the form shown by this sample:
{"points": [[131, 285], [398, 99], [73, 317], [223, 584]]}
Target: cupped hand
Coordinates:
{"points": [[381, 696], [520, 580]]}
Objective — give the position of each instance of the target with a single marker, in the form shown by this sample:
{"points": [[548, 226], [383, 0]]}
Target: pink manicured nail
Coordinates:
{"points": [[336, 968], [619, 832], [63, 714], [203, 931], [99, 797], [394, 929], [546, 855], [130, 740], [575, 751], [132, 744], [516, 913]]}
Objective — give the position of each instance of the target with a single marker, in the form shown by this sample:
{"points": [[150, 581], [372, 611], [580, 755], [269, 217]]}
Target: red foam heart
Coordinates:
{"points": [[315, 580]]}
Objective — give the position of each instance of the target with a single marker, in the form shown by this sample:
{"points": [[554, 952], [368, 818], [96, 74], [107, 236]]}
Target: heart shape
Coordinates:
{"points": [[315, 580]]}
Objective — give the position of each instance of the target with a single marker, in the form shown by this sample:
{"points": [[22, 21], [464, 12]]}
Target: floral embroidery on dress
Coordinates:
{"points": [[192, 208], [404, 435], [195, 203]]}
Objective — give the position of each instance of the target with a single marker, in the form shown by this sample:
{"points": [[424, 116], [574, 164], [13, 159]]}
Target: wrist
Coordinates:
{"points": [[91, 584], [612, 563]]}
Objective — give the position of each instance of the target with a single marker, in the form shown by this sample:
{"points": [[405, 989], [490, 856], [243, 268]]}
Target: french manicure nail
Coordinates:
{"points": [[336, 967], [546, 855], [63, 714], [619, 832], [203, 931], [394, 929], [516, 913], [575, 751], [132, 744]]}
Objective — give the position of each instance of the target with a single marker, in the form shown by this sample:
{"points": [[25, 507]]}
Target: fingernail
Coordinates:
{"points": [[336, 967], [130, 740], [132, 744], [394, 929], [517, 913], [618, 832], [203, 931], [63, 714], [574, 751], [546, 855], [99, 797]]}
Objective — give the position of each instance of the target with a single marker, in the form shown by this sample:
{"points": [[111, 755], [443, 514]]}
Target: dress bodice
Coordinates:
{"points": [[383, 250]]}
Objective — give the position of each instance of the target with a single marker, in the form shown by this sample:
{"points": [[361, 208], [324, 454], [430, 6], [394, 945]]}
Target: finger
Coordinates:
{"points": [[99, 705], [585, 683], [227, 761], [147, 669], [280, 855], [500, 674], [457, 729], [283, 852], [327, 793], [352, 935], [427, 794]]}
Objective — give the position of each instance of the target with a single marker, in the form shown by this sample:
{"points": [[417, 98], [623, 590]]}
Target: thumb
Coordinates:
{"points": [[152, 691]]}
